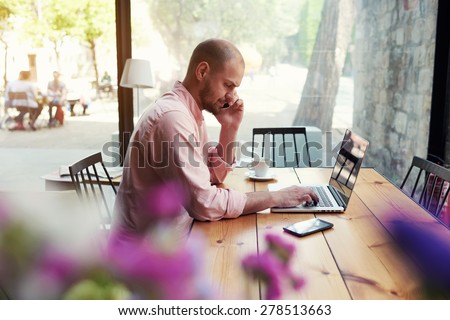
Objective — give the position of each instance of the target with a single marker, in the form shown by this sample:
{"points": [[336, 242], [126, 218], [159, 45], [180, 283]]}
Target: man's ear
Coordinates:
{"points": [[202, 70]]}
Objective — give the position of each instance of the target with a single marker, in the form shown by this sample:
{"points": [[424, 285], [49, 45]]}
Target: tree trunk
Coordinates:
{"points": [[5, 79], [92, 47], [327, 61], [56, 50]]}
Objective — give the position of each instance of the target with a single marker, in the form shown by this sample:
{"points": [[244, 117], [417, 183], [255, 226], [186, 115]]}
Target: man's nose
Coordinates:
{"points": [[229, 96]]}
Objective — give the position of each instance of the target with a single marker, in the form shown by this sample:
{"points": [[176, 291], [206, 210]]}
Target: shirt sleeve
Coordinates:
{"points": [[218, 168], [187, 166]]}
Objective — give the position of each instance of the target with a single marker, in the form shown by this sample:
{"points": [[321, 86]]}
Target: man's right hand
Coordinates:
{"points": [[286, 197], [294, 195]]}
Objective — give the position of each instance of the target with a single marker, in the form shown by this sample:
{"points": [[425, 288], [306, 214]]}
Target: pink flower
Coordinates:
{"points": [[154, 273], [56, 265], [267, 269], [272, 267], [166, 200], [282, 249]]}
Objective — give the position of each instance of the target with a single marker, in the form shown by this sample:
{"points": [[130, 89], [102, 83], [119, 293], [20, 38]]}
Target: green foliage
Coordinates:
{"points": [[95, 18], [310, 16], [260, 24], [9, 10], [55, 20], [5, 11]]}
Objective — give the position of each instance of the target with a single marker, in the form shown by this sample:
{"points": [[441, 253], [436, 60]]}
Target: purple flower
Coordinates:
{"points": [[154, 273], [166, 200], [266, 268], [431, 251], [56, 265], [282, 249], [274, 271]]}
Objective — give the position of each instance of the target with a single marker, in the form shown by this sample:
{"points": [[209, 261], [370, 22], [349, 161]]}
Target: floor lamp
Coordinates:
{"points": [[137, 74]]}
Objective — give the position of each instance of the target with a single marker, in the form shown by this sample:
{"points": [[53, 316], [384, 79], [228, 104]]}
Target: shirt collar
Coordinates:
{"points": [[180, 90]]}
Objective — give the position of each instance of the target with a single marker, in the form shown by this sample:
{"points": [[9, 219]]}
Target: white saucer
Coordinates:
{"points": [[251, 175]]}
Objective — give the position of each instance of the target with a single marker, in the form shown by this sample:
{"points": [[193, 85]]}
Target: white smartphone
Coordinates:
{"points": [[304, 228]]}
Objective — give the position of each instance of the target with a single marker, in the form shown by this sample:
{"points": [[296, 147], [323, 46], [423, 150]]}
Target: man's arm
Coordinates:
{"points": [[230, 120], [185, 165], [63, 90], [287, 197]]}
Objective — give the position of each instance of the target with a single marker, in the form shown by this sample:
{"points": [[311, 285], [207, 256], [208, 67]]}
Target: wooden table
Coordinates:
{"points": [[357, 259]]}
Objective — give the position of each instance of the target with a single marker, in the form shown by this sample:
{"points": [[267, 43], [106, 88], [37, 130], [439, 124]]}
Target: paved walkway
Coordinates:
{"points": [[27, 155]]}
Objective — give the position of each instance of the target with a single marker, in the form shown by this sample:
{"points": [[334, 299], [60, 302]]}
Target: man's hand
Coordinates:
{"points": [[294, 195], [231, 117], [286, 197]]}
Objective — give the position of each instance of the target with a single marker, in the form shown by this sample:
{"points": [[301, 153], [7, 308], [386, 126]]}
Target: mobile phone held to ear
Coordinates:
{"points": [[304, 228]]}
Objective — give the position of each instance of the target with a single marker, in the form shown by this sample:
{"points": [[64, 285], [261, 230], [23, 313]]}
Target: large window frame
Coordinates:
{"points": [[439, 122], [124, 97], [439, 115]]}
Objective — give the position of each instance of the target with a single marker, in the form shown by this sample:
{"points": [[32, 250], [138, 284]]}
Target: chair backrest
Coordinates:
{"points": [[89, 185], [17, 99], [432, 191], [288, 146]]}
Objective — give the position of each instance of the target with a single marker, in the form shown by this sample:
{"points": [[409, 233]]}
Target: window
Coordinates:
{"points": [[374, 74]]}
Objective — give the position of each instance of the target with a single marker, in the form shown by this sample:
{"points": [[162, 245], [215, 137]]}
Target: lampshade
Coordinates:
{"points": [[137, 74]]}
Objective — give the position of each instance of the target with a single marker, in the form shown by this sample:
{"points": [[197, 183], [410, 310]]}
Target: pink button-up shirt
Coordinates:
{"points": [[170, 144]]}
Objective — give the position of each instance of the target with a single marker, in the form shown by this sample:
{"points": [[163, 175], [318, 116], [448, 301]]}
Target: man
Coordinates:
{"points": [[105, 83], [56, 96], [22, 95], [170, 146]]}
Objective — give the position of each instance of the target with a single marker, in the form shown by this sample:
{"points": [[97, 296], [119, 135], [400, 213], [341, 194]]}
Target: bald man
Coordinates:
{"points": [[170, 147]]}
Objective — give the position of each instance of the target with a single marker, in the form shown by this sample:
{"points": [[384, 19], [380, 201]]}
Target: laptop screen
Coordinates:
{"points": [[348, 163]]}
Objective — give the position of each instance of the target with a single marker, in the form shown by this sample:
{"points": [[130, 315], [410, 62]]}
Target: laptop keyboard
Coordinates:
{"points": [[324, 200]]}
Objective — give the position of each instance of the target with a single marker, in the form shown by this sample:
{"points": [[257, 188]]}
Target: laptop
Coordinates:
{"points": [[334, 196]]}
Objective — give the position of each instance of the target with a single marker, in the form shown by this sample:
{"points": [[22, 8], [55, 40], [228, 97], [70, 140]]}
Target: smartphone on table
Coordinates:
{"points": [[304, 228]]}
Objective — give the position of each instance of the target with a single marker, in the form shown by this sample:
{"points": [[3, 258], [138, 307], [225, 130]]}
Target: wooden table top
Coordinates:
{"points": [[357, 259]]}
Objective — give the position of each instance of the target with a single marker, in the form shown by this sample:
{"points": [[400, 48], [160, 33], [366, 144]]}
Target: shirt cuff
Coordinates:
{"points": [[236, 203]]}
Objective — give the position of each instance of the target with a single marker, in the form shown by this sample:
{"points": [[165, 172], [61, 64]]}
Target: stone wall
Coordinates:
{"points": [[393, 62]]}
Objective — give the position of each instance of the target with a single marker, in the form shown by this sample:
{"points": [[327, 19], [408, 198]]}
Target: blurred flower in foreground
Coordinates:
{"points": [[165, 201], [431, 252], [152, 272], [272, 267], [58, 252]]}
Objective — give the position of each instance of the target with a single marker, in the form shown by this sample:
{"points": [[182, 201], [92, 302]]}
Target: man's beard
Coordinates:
{"points": [[207, 105]]}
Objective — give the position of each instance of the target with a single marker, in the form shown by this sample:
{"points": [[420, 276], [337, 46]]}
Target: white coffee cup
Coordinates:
{"points": [[261, 168]]}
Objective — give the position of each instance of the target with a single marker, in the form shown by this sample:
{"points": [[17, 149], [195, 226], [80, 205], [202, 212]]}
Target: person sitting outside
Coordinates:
{"points": [[56, 97], [105, 83], [22, 94]]}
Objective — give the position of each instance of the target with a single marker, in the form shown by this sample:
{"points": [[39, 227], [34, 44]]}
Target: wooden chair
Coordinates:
{"points": [[19, 100], [15, 100], [288, 145], [90, 186], [433, 190]]}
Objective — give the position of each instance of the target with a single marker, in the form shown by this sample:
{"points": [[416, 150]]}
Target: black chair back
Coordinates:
{"points": [[89, 185], [432, 191], [288, 146]]}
